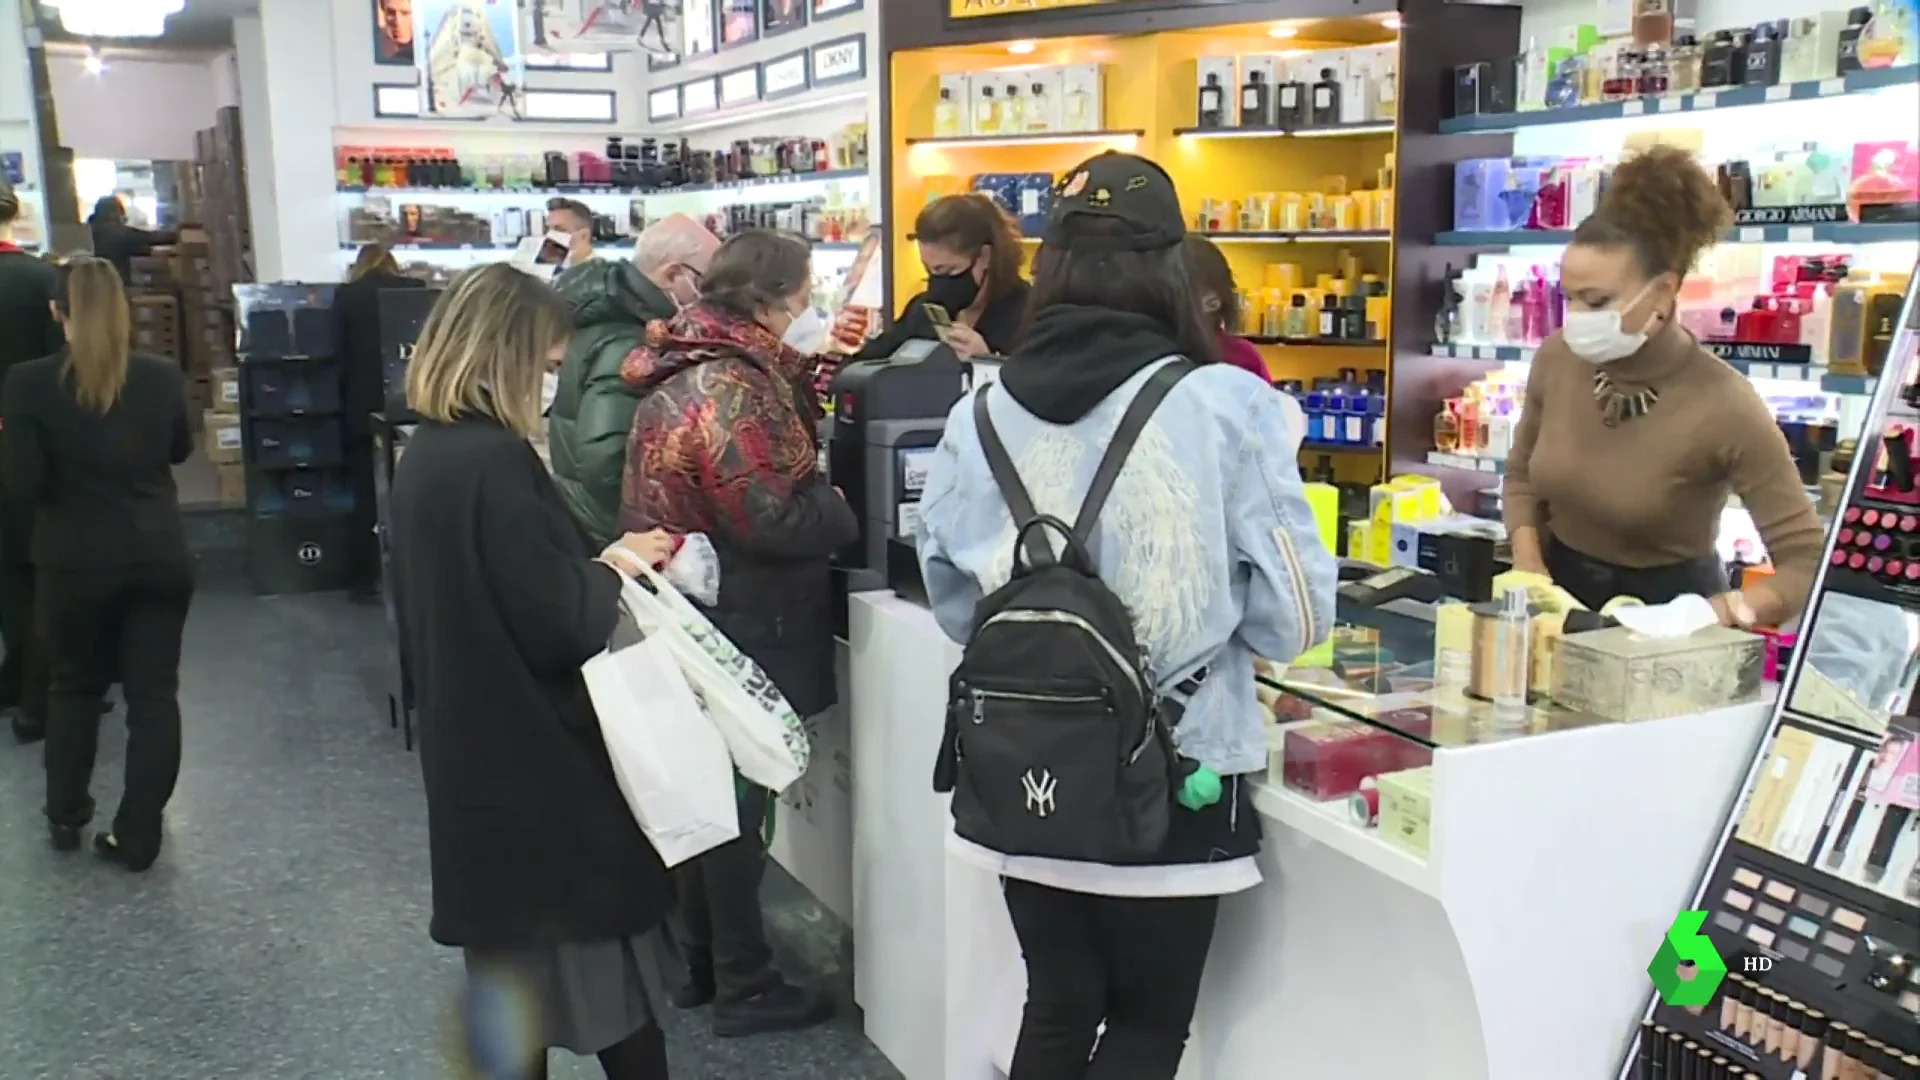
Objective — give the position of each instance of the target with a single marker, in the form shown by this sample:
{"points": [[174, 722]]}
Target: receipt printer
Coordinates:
{"points": [[887, 418]]}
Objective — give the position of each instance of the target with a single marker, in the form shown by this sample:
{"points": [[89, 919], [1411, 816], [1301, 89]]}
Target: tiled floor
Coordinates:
{"points": [[283, 934]]}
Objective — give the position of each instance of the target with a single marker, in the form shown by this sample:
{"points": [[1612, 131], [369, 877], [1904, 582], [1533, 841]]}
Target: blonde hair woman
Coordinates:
{"points": [[373, 259], [539, 872], [93, 433]]}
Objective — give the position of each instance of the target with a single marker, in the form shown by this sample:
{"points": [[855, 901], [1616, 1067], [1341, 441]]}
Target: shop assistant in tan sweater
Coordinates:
{"points": [[1649, 492]]}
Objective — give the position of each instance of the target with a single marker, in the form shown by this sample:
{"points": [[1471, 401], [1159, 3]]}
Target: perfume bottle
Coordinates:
{"points": [[1516, 328], [1716, 68], [1039, 109], [1623, 78], [1290, 104], [1652, 22], [1799, 51], [1498, 306], [1446, 427], [1325, 110], [1763, 57], [1849, 55], [1446, 321], [1255, 101], [1655, 73], [1078, 109], [1509, 640], [946, 115], [1563, 89], [1013, 112], [1213, 97], [1330, 321], [1737, 64], [986, 113], [1296, 324]]}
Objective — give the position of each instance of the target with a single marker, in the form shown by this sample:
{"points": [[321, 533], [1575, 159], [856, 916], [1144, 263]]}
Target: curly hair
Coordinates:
{"points": [[1662, 205]]}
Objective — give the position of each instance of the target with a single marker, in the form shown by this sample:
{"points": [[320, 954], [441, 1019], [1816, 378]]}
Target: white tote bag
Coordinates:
{"points": [[671, 762], [766, 737]]}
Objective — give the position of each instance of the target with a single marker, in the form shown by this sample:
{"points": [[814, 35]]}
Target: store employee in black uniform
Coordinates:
{"points": [[972, 255]]}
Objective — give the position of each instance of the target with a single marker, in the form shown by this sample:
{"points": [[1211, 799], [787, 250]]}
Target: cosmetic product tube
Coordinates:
{"points": [[1743, 1010], [1835, 1051], [1813, 1038], [1643, 1058], [1690, 1061], [1787, 1018], [1703, 1063], [1729, 1002], [1653, 1053], [1510, 666], [1718, 1069], [1881, 853], [1676, 1055]]}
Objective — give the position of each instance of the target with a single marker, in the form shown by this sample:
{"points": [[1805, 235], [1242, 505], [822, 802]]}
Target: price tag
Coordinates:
{"points": [[1800, 234], [1830, 87], [1706, 99], [1633, 108], [1783, 92], [1672, 104], [1752, 235]]}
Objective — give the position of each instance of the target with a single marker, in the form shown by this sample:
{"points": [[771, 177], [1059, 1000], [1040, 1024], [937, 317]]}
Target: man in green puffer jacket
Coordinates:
{"points": [[612, 302]]}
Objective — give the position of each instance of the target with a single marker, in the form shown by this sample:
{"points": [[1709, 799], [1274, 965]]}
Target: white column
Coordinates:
{"points": [[19, 131], [287, 117], [226, 79]]}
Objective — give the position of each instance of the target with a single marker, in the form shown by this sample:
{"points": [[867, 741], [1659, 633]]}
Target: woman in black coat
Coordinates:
{"points": [[539, 872], [356, 315], [118, 242]]}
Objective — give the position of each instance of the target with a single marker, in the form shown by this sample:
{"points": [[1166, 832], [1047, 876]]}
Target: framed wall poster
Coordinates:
{"points": [[740, 86], [780, 16], [392, 32], [838, 61], [699, 96], [697, 27], [582, 26], [827, 9], [468, 58], [784, 76], [739, 22], [663, 104]]}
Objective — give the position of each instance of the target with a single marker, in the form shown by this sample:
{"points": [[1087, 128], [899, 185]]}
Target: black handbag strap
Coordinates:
{"points": [[1080, 535]]}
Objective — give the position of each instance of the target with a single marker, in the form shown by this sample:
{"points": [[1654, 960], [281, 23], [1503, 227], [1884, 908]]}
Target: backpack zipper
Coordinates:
{"points": [[1070, 619], [981, 697]]}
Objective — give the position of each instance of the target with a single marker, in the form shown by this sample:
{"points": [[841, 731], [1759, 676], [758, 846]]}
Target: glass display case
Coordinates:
{"points": [[1812, 897]]}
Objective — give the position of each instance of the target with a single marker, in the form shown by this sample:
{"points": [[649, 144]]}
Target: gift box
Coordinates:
{"points": [[1620, 675], [1328, 760], [1406, 809]]}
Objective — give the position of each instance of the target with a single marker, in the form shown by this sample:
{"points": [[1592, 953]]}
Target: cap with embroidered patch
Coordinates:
{"points": [[1126, 188]]}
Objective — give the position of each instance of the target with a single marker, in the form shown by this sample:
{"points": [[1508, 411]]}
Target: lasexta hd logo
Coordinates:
{"points": [[1685, 944]]}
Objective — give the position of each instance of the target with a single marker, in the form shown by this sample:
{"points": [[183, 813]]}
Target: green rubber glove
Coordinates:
{"points": [[1201, 790]]}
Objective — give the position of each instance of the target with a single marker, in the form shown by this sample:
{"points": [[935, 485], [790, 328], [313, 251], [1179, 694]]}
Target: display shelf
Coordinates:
{"points": [[1315, 342], [1830, 383], [1468, 462], [1353, 236], [1332, 131], [1047, 138], [749, 183], [1854, 82], [600, 245], [1330, 823], [1838, 232], [1311, 446]]}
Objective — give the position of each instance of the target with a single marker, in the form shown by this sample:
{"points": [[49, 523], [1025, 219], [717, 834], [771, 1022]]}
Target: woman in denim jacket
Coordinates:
{"points": [[1208, 540]]}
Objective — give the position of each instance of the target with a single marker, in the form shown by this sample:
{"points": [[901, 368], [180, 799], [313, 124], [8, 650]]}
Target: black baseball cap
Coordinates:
{"points": [[1126, 188]]}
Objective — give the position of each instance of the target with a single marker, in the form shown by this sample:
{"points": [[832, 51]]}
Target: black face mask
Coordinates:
{"points": [[955, 292]]}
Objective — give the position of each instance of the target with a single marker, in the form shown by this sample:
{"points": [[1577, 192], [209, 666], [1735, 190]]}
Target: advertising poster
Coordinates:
{"points": [[392, 32], [823, 9], [588, 26], [696, 27], [469, 58], [780, 16], [739, 22]]}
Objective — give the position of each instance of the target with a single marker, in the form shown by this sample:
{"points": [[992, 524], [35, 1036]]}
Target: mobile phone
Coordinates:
{"points": [[937, 315], [553, 249]]}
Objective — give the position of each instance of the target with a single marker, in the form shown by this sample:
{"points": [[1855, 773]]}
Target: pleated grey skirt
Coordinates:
{"points": [[582, 997]]}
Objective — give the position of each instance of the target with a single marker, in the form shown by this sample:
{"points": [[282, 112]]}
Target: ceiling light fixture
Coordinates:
{"points": [[1021, 48], [115, 18], [1282, 32]]}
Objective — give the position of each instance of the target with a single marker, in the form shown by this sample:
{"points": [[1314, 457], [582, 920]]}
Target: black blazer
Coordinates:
{"points": [[499, 604], [101, 486], [27, 327], [356, 316], [1000, 324], [119, 243]]}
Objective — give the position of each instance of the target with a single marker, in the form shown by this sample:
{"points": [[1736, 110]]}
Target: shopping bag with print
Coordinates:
{"points": [[765, 735], [670, 760]]}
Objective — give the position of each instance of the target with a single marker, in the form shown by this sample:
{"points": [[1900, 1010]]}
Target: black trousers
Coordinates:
{"points": [[1133, 963], [717, 921], [23, 674], [1593, 581], [144, 608]]}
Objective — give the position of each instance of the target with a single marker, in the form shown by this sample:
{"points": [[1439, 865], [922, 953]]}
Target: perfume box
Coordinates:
{"points": [[1620, 675], [1084, 106], [1042, 98], [1406, 808], [1220, 70], [957, 91], [1327, 760]]}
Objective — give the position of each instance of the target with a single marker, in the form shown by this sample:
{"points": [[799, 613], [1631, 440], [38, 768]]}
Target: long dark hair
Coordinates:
{"points": [[1214, 278], [1084, 267], [967, 223]]}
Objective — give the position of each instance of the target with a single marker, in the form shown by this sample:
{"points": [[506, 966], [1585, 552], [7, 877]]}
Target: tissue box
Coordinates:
{"points": [[1406, 809], [1620, 675]]}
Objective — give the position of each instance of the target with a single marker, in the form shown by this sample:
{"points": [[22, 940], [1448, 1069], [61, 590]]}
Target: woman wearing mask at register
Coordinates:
{"points": [[1633, 435], [972, 256]]}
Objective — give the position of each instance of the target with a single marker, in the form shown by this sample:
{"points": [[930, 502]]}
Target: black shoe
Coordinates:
{"points": [[783, 1008], [107, 846], [63, 837], [693, 993]]}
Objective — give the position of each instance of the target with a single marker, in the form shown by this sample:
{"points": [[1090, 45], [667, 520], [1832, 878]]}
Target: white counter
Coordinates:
{"points": [[1516, 951]]}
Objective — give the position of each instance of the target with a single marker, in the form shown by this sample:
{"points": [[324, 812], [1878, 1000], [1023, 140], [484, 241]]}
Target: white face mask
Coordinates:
{"points": [[549, 389], [807, 333], [1597, 336]]}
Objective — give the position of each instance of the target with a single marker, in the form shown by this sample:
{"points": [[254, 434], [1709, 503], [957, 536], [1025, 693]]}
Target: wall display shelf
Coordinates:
{"points": [[1853, 82], [1315, 342], [1331, 131], [589, 190], [1469, 462], [1812, 896], [401, 248], [1311, 446], [1052, 138], [1838, 232], [1829, 383], [1354, 237]]}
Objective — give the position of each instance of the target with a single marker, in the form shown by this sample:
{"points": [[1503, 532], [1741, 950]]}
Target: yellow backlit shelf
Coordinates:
{"points": [[1358, 236], [1042, 138], [1333, 132]]}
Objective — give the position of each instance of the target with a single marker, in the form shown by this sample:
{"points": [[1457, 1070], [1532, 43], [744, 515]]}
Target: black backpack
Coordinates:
{"points": [[1055, 744]]}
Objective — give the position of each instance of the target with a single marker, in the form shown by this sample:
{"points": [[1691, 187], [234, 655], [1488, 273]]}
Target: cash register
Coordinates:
{"points": [[888, 415]]}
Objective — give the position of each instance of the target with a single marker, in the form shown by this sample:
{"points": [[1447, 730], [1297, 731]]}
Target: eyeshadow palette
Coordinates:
{"points": [[1758, 907]]}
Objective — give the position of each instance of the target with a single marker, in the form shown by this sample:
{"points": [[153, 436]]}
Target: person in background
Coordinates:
{"points": [[93, 433], [592, 409], [725, 443], [1633, 435], [971, 252], [1207, 539], [539, 872], [1220, 303], [356, 314], [118, 242], [572, 217]]}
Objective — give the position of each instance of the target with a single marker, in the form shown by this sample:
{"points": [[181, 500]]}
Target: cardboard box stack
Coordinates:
{"points": [[222, 190], [156, 324], [222, 419]]}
